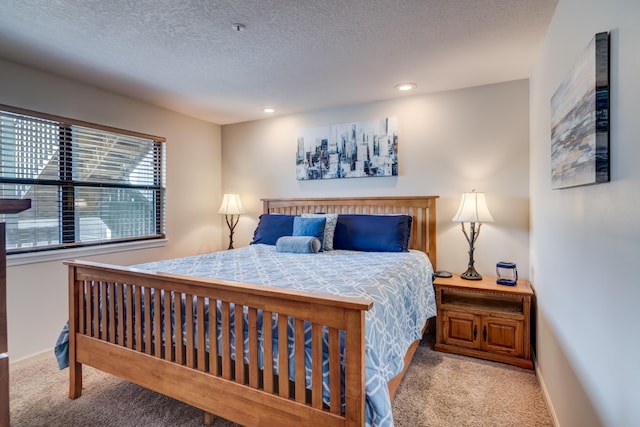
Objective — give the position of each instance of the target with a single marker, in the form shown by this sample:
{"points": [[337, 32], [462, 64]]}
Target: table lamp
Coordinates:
{"points": [[231, 208], [473, 209]]}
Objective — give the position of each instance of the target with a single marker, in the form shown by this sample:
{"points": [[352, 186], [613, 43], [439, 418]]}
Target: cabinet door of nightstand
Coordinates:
{"points": [[460, 328], [502, 336]]}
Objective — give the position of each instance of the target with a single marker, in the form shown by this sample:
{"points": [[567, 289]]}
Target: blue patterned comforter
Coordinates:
{"points": [[399, 284]]}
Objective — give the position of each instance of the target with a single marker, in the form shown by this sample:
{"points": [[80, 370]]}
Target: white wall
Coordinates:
{"points": [[585, 241], [449, 143], [37, 293]]}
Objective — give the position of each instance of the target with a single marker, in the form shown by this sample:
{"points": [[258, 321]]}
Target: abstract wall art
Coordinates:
{"points": [[349, 150], [580, 120]]}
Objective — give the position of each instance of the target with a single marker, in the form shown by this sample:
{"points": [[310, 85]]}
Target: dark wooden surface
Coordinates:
{"points": [[3, 290], [4, 361], [4, 390], [7, 206], [13, 206]]}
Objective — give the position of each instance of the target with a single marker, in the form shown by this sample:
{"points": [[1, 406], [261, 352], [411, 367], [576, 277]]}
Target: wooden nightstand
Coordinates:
{"points": [[482, 319]]}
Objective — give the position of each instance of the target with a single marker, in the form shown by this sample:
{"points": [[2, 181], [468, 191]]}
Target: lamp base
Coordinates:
{"points": [[232, 221], [471, 274]]}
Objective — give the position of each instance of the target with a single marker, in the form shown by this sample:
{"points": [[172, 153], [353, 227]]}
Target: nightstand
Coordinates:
{"points": [[480, 318]]}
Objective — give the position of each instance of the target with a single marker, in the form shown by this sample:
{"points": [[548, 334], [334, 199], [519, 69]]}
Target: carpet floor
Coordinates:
{"points": [[439, 390]]}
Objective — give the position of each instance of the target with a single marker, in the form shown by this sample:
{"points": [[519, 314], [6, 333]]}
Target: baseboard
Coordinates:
{"points": [[545, 392], [31, 357]]}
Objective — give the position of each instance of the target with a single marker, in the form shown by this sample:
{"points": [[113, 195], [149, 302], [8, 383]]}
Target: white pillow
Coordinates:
{"points": [[329, 227]]}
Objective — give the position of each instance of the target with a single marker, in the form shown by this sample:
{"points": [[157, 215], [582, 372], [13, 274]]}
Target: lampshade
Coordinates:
{"points": [[473, 208], [231, 205]]}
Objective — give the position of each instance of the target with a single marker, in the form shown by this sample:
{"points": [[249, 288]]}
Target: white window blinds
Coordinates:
{"points": [[88, 184]]}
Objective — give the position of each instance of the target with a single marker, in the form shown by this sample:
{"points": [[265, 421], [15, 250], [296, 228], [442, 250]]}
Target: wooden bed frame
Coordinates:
{"points": [[106, 332]]}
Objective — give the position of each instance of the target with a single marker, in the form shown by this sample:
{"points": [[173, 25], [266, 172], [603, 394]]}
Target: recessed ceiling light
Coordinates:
{"points": [[269, 110], [405, 86]]}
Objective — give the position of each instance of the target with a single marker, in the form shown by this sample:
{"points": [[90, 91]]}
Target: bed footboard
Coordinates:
{"points": [[119, 323]]}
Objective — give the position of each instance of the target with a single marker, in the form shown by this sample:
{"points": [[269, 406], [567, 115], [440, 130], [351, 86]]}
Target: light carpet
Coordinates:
{"points": [[439, 390]]}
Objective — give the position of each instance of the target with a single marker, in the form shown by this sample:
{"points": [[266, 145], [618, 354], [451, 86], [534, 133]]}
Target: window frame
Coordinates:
{"points": [[67, 184]]}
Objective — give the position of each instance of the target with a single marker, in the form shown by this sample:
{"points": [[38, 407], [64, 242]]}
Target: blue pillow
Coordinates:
{"points": [[329, 228], [271, 227], [298, 244], [309, 227], [373, 233]]}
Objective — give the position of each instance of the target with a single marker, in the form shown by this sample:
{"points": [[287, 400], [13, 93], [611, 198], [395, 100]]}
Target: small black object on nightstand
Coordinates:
{"points": [[442, 273]]}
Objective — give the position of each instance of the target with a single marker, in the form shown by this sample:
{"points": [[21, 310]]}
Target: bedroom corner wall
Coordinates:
{"points": [[449, 142], [37, 293], [585, 240]]}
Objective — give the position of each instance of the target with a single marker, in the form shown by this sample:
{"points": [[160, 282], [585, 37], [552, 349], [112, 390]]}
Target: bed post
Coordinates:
{"points": [[433, 250], [355, 368], [75, 368]]}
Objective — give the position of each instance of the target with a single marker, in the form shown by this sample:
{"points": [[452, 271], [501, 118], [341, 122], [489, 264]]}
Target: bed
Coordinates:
{"points": [[117, 324]]}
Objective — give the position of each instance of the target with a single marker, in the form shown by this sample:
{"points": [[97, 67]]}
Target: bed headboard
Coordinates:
{"points": [[421, 208]]}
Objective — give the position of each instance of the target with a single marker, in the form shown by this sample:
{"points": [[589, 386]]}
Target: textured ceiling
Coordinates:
{"points": [[294, 55]]}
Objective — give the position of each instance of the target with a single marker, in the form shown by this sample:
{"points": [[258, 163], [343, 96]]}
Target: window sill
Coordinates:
{"points": [[62, 254]]}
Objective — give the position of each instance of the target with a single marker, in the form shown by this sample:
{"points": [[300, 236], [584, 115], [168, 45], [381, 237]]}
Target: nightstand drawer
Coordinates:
{"points": [[459, 329], [502, 336]]}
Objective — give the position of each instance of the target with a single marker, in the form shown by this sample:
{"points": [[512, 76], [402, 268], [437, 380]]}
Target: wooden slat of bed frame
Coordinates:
{"points": [[299, 360], [253, 348], [334, 369], [168, 344], [139, 320], [105, 318], [239, 342], [267, 333], [213, 340], [283, 356], [88, 301], [95, 322], [148, 325], [120, 297], [188, 321], [316, 366], [157, 324], [129, 327], [201, 334], [112, 312], [178, 325], [226, 341]]}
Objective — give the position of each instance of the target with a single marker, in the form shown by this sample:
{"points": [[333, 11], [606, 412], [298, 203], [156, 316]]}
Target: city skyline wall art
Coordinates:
{"points": [[580, 120], [349, 150]]}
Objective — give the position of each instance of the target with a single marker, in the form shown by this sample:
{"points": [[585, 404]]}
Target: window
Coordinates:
{"points": [[88, 184]]}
